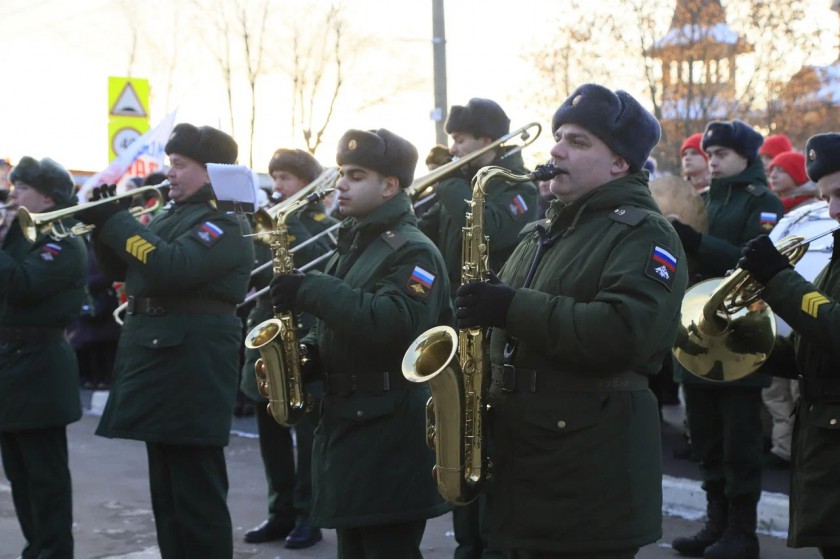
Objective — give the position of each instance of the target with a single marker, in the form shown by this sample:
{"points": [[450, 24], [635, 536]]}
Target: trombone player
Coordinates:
{"points": [[42, 283], [813, 312], [289, 480], [177, 364]]}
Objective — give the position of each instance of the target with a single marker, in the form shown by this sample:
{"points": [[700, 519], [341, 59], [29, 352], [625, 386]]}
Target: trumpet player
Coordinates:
{"points": [[386, 284], [177, 364], [289, 480], [813, 312], [574, 429], [42, 285]]}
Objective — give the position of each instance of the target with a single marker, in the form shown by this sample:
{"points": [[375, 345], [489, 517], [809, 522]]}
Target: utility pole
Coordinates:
{"points": [[439, 52]]}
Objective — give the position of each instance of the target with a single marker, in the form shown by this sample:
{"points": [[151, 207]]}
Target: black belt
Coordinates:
{"points": [[512, 379], [158, 307], [369, 383], [815, 389], [30, 334]]}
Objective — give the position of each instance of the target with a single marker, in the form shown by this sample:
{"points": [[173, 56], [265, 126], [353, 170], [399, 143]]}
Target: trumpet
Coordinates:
{"points": [[418, 188], [34, 223], [264, 220], [726, 331]]}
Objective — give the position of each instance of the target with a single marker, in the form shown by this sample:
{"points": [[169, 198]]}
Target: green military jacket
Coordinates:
{"points": [[303, 226], [740, 208], [577, 466], [508, 208], [813, 311], [176, 374], [386, 285], [41, 286]]}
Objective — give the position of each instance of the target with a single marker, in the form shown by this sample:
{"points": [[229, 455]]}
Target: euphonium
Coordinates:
{"points": [[278, 369], [456, 412]]}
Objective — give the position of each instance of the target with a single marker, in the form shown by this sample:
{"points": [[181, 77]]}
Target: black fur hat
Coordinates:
{"points": [[297, 162], [480, 117], [822, 155], [733, 134], [205, 144], [380, 150], [615, 117], [46, 176]]}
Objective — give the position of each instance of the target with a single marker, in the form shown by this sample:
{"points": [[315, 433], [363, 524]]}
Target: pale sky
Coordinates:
{"points": [[57, 56]]}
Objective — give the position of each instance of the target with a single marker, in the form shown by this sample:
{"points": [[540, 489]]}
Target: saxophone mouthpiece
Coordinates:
{"points": [[545, 172], [318, 196]]}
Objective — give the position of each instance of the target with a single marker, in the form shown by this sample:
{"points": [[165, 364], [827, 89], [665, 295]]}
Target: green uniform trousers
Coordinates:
{"points": [[189, 488], [725, 427], [381, 542], [289, 488], [36, 465], [524, 554], [469, 523]]}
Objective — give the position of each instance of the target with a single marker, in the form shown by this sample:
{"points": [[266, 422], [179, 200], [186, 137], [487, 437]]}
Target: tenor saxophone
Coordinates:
{"points": [[278, 369], [455, 366]]}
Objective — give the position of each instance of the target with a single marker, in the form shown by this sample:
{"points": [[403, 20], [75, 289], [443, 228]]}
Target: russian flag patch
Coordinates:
{"points": [[518, 206], [768, 220], [50, 251], [661, 266], [208, 233], [421, 281]]}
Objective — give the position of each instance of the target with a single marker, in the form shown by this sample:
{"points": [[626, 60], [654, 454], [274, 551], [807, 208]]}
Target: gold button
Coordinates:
{"points": [[561, 424], [360, 413], [832, 422]]}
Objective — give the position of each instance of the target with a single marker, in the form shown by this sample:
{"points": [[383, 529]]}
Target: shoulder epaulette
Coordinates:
{"points": [[629, 215], [533, 225], [755, 189], [395, 239]]}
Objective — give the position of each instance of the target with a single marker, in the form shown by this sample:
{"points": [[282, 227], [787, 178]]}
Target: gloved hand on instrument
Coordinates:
{"points": [[100, 213], [483, 303], [762, 259], [283, 290]]}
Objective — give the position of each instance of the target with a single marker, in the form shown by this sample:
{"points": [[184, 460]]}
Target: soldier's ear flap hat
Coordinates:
{"points": [[297, 162], [735, 135], [381, 151], [627, 128], [46, 176], [479, 117], [204, 144], [822, 155]]}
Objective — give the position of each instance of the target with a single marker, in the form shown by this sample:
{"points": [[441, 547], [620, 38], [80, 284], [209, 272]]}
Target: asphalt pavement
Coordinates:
{"points": [[113, 517]]}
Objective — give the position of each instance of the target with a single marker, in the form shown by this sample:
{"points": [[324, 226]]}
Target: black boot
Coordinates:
{"points": [[716, 513], [738, 540]]}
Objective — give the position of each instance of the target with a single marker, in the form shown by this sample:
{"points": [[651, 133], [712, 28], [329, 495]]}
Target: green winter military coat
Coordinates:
{"points": [[41, 286], [577, 462], [176, 374], [740, 208], [303, 225], [508, 208], [813, 311], [387, 285]]}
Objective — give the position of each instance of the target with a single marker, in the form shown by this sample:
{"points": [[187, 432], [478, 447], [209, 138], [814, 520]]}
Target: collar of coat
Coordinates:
{"points": [[753, 174]]}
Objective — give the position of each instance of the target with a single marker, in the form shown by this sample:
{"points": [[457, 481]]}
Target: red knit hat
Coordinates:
{"points": [[775, 144], [793, 163], [693, 142]]}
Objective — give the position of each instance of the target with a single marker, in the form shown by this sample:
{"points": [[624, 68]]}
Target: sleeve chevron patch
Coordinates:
{"points": [[138, 247], [811, 303]]}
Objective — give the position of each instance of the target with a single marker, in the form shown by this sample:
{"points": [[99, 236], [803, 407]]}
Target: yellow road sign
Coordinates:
{"points": [[128, 113]]}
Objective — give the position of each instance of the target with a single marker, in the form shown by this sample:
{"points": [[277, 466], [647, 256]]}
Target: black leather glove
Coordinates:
{"points": [[762, 260], [99, 214], [689, 236], [283, 290], [483, 303]]}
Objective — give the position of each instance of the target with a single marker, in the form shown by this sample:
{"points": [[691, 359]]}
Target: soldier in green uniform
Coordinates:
{"points": [[508, 208], [724, 418], [289, 485], [386, 285], [177, 363], [42, 286], [574, 434], [813, 312]]}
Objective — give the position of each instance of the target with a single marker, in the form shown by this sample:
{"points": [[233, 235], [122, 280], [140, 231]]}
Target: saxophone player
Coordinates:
{"points": [[177, 363], [574, 434], [289, 480], [386, 284]]}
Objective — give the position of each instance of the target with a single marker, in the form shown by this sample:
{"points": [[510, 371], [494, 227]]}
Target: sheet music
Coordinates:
{"points": [[235, 187]]}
